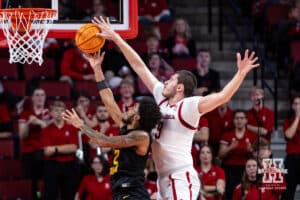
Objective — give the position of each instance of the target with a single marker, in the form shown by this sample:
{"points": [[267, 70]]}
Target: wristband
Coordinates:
{"points": [[55, 151], [102, 85]]}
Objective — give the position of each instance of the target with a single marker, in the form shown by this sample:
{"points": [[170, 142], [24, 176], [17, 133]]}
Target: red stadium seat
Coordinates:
{"points": [[7, 148], [17, 189], [295, 51], [17, 88], [56, 90], [88, 86], [10, 169], [165, 29], [275, 13], [138, 45], [184, 63], [7, 70], [45, 71]]}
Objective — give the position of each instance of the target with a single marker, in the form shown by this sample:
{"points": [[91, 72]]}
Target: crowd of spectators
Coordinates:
{"points": [[225, 146]]}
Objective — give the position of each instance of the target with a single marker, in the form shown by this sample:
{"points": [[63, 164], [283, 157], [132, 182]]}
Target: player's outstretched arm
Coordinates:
{"points": [[132, 57], [244, 65], [134, 138], [105, 93]]}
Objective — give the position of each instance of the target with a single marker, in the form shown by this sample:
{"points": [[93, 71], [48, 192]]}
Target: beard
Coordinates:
{"points": [[128, 120]]}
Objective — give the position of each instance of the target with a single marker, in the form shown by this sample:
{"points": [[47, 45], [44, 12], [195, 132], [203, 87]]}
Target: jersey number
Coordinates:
{"points": [[159, 127], [115, 166]]}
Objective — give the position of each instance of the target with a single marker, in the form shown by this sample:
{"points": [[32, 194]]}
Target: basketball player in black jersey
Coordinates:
{"points": [[132, 146]]}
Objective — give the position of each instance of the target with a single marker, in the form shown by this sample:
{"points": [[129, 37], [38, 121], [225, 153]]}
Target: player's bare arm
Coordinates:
{"points": [[139, 139], [105, 94], [132, 57], [244, 65]]}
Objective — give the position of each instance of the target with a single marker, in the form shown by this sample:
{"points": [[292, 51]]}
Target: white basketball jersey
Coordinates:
{"points": [[173, 137]]}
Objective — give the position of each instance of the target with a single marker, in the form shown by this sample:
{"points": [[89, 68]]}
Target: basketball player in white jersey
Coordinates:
{"points": [[171, 148]]}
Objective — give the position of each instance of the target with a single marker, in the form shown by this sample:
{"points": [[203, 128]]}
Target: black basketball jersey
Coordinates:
{"points": [[127, 169]]}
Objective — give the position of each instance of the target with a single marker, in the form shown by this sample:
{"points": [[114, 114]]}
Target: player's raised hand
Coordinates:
{"points": [[247, 63], [72, 118], [95, 60], [106, 30]]}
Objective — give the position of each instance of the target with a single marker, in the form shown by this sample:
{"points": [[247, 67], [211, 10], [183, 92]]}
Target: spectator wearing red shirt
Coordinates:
{"points": [[153, 11], [180, 43], [212, 177], [265, 152], [84, 109], [159, 68], [154, 46], [248, 189], [105, 126], [75, 67], [235, 149], [220, 120], [31, 122], [59, 141], [126, 91], [291, 128], [260, 118], [97, 185], [200, 139]]}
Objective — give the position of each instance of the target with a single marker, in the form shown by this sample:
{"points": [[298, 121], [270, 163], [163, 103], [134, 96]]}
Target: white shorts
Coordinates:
{"points": [[180, 185]]}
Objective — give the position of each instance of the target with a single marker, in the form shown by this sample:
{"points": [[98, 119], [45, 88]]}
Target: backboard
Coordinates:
{"points": [[72, 14]]}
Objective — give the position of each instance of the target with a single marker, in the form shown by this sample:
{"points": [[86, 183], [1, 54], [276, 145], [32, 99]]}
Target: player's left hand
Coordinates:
{"points": [[247, 63], [95, 60], [72, 118]]}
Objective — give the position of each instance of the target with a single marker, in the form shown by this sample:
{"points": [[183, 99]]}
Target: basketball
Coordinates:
{"points": [[87, 40]]}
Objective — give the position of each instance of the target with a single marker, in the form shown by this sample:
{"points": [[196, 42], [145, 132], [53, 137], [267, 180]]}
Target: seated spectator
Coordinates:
{"points": [[75, 67], [248, 188], [212, 177], [219, 122], [180, 43], [235, 149], [31, 122], [84, 109], [127, 100], [104, 125], [96, 185], [260, 118], [154, 46], [208, 80], [291, 128], [153, 11], [159, 68], [59, 141], [200, 138]]}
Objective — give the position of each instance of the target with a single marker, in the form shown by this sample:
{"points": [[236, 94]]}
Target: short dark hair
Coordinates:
{"points": [[189, 81], [58, 104], [203, 50], [149, 113], [239, 111], [82, 93], [261, 143]]}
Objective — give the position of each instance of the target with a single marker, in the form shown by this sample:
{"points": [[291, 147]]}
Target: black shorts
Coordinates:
{"points": [[131, 193]]}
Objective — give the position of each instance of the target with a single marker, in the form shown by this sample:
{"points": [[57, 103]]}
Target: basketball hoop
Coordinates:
{"points": [[25, 30]]}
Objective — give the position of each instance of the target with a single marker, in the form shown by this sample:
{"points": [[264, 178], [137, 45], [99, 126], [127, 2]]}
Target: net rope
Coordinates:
{"points": [[26, 34]]}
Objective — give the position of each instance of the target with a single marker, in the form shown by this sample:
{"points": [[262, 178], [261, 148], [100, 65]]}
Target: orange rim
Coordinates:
{"points": [[27, 11]]}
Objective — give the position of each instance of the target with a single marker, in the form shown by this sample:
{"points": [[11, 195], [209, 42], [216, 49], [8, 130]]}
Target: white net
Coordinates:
{"points": [[26, 32]]}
